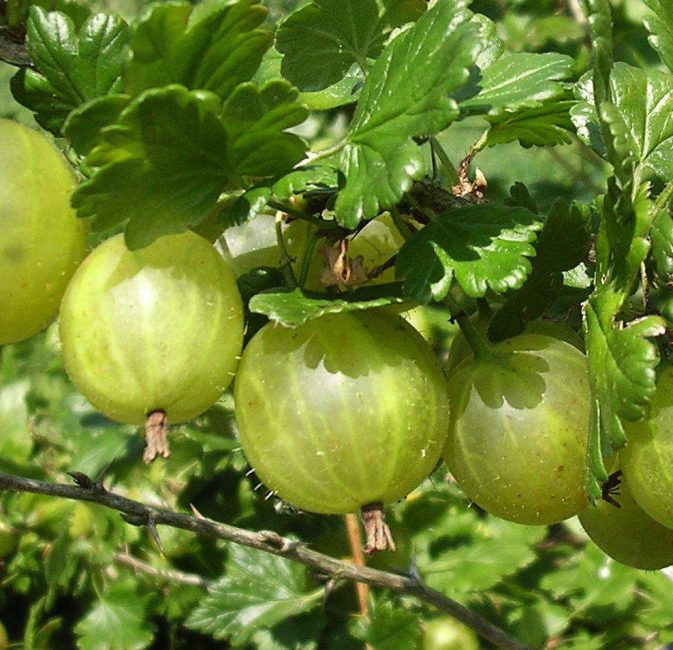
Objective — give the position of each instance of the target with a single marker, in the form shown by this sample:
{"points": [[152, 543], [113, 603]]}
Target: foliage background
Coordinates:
{"points": [[62, 565]]}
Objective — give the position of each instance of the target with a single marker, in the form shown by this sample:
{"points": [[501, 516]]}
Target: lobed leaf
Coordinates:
{"points": [[294, 308], [662, 246], [162, 166], [516, 81], [258, 591], [643, 101], [322, 40], [621, 371], [543, 126], [660, 25], [256, 119], [388, 627], [73, 66], [481, 246], [117, 621], [380, 159], [215, 52], [561, 245]]}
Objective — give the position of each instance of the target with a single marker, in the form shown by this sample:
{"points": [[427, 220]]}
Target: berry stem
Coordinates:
{"points": [[480, 346], [355, 541], [379, 537], [156, 436]]}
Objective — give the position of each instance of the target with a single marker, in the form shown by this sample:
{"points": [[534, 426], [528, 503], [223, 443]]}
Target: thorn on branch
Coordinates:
{"points": [[87, 483]]}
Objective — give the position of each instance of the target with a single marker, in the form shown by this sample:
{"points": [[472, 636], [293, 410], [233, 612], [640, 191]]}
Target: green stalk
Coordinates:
{"points": [[285, 257], [480, 346], [13, 13], [303, 216], [308, 257]]}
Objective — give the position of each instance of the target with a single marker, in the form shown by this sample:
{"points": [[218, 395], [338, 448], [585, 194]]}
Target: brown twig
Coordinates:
{"points": [[13, 51], [139, 513]]}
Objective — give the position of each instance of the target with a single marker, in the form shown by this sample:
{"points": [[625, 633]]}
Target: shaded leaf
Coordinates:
{"points": [[543, 126], [300, 180], [258, 591], [660, 25], [388, 627], [561, 245], [322, 40], [84, 124], [294, 308], [481, 246], [662, 246], [73, 66], [521, 80], [117, 621], [380, 159], [255, 120], [215, 52], [644, 102], [164, 163]]}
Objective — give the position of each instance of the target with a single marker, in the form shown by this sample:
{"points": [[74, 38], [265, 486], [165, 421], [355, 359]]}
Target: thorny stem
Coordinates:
{"points": [[269, 542]]}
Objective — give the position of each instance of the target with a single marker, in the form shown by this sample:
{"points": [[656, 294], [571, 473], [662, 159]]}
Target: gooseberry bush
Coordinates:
{"points": [[282, 265]]}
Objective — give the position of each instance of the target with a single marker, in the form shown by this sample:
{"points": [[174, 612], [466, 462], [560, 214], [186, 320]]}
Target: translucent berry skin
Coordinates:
{"points": [[518, 436], [628, 534], [156, 328], [647, 459], [42, 240], [346, 410]]}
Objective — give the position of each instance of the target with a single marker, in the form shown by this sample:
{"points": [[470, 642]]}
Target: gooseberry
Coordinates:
{"points": [[155, 329], [359, 411], [460, 349], [518, 435], [647, 459], [627, 533], [43, 242]]}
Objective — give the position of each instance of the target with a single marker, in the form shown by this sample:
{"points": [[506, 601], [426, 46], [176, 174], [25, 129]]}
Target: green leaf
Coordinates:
{"points": [[215, 52], [84, 124], [662, 246], [561, 245], [297, 633], [660, 25], [301, 180], [294, 308], [621, 368], [165, 162], [543, 126], [16, 442], [321, 41], [117, 621], [517, 81], [644, 102], [388, 627], [73, 66], [258, 591], [482, 246], [621, 360], [255, 119], [380, 159]]}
